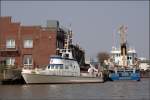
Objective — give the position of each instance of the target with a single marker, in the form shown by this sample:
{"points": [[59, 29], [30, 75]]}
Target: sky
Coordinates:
{"points": [[93, 22]]}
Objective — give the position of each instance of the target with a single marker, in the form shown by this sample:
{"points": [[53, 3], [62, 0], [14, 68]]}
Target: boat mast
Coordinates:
{"points": [[66, 52], [68, 40]]}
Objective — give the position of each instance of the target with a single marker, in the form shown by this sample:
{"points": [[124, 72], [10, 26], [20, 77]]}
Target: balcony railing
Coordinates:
{"points": [[9, 52]]}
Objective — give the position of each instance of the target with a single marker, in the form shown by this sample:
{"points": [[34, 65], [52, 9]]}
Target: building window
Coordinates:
{"points": [[28, 43], [27, 60], [10, 61], [10, 43]]}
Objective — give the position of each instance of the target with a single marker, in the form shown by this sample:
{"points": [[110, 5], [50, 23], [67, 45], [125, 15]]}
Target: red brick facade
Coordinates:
{"points": [[32, 45], [44, 42]]}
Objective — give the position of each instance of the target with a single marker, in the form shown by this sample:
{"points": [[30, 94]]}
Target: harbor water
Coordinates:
{"points": [[116, 90]]}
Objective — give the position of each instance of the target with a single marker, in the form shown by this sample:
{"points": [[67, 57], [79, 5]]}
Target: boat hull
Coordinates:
{"points": [[125, 75], [43, 79]]}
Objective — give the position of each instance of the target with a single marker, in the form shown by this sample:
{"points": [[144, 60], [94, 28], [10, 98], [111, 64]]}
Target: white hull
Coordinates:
{"points": [[38, 78]]}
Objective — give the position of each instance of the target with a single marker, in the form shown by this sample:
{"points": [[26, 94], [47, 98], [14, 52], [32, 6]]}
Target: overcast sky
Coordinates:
{"points": [[92, 22]]}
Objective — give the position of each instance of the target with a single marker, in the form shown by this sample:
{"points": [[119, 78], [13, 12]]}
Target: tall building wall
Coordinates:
{"points": [[32, 45], [44, 42]]}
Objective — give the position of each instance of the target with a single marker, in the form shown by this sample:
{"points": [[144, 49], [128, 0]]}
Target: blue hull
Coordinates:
{"points": [[125, 75]]}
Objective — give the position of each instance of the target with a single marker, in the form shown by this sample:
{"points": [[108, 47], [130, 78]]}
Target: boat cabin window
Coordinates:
{"points": [[48, 66], [66, 67], [55, 66], [111, 71], [61, 67], [66, 55], [60, 54], [128, 71], [117, 54], [129, 57], [137, 71], [52, 66], [63, 50]]}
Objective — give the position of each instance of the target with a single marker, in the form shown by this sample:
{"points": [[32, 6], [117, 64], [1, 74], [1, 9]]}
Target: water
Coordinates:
{"points": [[118, 90]]}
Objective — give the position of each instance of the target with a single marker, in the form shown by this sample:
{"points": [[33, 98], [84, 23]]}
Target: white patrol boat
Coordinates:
{"points": [[62, 69]]}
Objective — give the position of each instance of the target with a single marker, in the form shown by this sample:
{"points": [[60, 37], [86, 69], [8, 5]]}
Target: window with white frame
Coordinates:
{"points": [[10, 43], [27, 60], [28, 43], [10, 61]]}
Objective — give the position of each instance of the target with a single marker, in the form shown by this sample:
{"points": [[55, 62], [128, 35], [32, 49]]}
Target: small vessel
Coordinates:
{"points": [[62, 69], [124, 64]]}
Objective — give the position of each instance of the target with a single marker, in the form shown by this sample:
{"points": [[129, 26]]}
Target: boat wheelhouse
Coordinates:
{"points": [[131, 56]]}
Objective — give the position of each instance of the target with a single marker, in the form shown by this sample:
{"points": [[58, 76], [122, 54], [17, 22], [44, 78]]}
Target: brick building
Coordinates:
{"points": [[31, 45]]}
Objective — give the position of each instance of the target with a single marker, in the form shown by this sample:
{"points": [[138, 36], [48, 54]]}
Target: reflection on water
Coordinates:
{"points": [[121, 90]]}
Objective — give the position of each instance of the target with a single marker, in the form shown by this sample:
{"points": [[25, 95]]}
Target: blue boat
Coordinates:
{"points": [[124, 64]]}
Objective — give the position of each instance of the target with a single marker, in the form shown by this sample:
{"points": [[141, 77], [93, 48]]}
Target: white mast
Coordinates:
{"points": [[68, 41]]}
